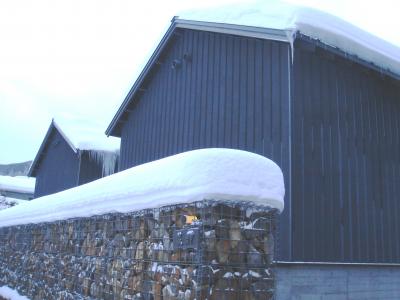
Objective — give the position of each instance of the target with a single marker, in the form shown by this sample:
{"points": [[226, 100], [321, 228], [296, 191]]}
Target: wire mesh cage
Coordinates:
{"points": [[203, 250]]}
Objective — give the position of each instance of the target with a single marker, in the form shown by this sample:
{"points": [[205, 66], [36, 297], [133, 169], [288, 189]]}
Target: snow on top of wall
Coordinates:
{"points": [[10, 294], [219, 174], [85, 135], [6, 202], [327, 28], [20, 184]]}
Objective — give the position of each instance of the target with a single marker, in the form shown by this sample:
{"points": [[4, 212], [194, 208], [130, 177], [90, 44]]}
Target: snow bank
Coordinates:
{"points": [[20, 184], [11, 294], [220, 174], [327, 28]]}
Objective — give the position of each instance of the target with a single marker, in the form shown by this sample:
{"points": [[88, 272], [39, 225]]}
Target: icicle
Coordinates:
{"points": [[108, 160], [291, 36]]}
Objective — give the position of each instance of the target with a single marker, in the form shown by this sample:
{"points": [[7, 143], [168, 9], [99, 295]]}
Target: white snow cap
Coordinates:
{"points": [[20, 184], [316, 24], [85, 135], [215, 174]]}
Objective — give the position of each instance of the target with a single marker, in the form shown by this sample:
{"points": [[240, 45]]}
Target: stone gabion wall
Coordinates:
{"points": [[206, 250]]}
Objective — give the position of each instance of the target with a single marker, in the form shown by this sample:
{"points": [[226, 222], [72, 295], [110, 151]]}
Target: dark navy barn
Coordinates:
{"points": [[329, 119], [59, 165]]}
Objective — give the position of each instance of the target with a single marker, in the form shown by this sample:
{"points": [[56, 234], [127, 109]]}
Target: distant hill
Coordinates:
{"points": [[17, 169]]}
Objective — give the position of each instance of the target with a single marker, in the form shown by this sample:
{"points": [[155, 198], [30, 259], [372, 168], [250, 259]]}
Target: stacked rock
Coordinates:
{"points": [[205, 250]]}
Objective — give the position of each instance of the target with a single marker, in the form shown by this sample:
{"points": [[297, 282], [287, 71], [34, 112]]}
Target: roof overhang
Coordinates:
{"points": [[114, 129], [242, 30]]}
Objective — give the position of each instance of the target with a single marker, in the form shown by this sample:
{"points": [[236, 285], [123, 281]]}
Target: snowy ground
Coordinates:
{"points": [[11, 294]]}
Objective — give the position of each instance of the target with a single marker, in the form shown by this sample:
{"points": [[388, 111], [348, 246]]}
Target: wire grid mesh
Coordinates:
{"points": [[205, 250]]}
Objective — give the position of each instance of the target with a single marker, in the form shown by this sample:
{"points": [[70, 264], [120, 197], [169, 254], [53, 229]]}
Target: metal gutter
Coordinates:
{"points": [[249, 31], [351, 57]]}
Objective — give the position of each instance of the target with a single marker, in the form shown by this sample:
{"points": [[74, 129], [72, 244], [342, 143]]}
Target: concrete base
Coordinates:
{"points": [[312, 281]]}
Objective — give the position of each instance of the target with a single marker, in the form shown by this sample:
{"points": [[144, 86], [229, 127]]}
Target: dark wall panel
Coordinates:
{"points": [[58, 169], [345, 161], [227, 91], [90, 169]]}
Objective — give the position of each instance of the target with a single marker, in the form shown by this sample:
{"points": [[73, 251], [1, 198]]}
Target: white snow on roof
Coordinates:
{"points": [[20, 184], [84, 135], [219, 174], [316, 24]]}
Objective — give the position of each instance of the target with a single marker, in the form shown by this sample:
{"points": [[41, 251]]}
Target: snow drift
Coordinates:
{"points": [[218, 174]]}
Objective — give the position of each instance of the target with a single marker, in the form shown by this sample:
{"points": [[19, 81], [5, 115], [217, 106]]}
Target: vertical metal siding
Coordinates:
{"points": [[58, 169], [346, 162], [90, 169], [233, 92]]}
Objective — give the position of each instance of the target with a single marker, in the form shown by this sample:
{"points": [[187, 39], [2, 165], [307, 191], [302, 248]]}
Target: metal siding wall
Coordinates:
{"points": [[89, 170], [58, 169], [346, 166], [233, 93]]}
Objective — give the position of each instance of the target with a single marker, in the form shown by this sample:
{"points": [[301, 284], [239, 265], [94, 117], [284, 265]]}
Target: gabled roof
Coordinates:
{"points": [[79, 139], [36, 162], [274, 21]]}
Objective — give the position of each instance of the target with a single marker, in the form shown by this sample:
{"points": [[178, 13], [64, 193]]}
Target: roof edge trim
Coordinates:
{"points": [[241, 30]]}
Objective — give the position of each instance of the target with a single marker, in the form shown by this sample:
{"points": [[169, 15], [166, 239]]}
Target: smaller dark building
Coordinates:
{"points": [[66, 160]]}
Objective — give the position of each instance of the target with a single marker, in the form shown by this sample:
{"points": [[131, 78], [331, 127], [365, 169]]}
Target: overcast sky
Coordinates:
{"points": [[77, 59]]}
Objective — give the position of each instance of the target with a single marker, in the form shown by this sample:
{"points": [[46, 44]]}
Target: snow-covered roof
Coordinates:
{"points": [[21, 184], [292, 19], [215, 174], [82, 135], [85, 136], [279, 21]]}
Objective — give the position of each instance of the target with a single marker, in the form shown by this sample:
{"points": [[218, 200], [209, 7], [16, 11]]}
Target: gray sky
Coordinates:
{"points": [[77, 59]]}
